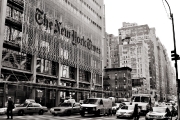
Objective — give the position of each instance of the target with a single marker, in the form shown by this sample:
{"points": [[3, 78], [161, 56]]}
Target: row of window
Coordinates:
{"points": [[13, 13], [90, 9], [97, 3], [85, 17], [12, 35], [14, 59]]}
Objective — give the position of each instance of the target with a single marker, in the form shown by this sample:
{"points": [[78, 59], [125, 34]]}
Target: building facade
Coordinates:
{"points": [[135, 56], [114, 55], [107, 52], [51, 50], [117, 82], [137, 38], [165, 77]]}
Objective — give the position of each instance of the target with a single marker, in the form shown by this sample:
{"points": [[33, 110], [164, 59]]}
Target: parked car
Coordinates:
{"points": [[3, 111], [159, 113], [29, 108], [126, 112], [66, 108]]}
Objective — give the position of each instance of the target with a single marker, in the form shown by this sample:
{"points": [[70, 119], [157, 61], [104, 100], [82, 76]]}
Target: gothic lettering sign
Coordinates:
{"points": [[57, 28]]}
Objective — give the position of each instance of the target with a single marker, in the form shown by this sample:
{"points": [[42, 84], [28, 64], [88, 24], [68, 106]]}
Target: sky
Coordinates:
{"points": [[150, 12]]}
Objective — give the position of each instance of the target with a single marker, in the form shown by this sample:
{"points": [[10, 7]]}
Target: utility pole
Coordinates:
{"points": [[175, 57]]}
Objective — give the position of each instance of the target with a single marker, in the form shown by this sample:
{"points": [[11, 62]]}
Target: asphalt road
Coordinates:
{"points": [[48, 116]]}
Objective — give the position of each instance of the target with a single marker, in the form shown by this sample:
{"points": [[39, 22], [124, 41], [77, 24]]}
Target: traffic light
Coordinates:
{"points": [[174, 55]]}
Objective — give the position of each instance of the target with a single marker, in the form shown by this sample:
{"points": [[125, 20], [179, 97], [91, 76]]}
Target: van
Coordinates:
{"points": [[96, 106], [144, 101]]}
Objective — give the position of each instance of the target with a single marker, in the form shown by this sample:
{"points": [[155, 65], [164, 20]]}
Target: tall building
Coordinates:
{"points": [[135, 56], [154, 66], [135, 33], [111, 49], [114, 54], [165, 78], [174, 86], [51, 50]]}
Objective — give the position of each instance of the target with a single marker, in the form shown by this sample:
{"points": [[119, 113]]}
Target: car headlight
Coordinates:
{"points": [[147, 115], [94, 109], [51, 109]]}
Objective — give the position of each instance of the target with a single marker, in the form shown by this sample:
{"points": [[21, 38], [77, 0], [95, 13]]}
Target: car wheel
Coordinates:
{"points": [[21, 112], [82, 114], [55, 114], [41, 112], [68, 112], [98, 113]]}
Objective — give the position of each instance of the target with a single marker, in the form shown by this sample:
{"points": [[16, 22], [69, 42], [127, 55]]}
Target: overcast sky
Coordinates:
{"points": [[151, 12]]}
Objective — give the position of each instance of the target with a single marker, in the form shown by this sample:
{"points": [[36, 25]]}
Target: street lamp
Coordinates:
{"points": [[176, 57]]}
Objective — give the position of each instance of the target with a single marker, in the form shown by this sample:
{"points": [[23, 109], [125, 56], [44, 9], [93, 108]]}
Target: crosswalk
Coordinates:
{"points": [[51, 117]]}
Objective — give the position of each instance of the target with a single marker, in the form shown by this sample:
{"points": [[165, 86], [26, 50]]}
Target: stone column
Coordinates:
{"points": [[3, 5], [77, 77], [77, 82], [33, 77], [58, 84]]}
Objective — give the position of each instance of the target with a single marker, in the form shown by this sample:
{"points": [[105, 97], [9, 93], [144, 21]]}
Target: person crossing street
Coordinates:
{"points": [[10, 107]]}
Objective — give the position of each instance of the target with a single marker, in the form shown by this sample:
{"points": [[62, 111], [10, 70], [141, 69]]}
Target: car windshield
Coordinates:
{"points": [[127, 107], [22, 105], [65, 105], [141, 99], [90, 101], [159, 109], [145, 99]]}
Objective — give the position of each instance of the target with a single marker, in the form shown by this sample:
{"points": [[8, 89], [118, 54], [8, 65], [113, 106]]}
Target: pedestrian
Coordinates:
{"points": [[10, 107], [168, 112], [173, 111], [136, 112]]}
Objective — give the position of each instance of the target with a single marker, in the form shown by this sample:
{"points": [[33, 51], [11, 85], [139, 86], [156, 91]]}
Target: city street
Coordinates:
{"points": [[51, 117], [48, 116], [73, 117]]}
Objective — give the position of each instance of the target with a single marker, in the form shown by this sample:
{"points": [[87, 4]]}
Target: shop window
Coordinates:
{"points": [[65, 71], [46, 66], [87, 76], [72, 72], [12, 35]]}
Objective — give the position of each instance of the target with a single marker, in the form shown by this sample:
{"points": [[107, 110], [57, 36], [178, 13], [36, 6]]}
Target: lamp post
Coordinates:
{"points": [[175, 59]]}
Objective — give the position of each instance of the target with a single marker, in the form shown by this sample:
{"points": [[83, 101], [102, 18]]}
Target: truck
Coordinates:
{"points": [[144, 101], [96, 106]]}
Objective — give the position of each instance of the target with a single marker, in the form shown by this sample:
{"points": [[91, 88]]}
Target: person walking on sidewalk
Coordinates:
{"points": [[10, 107]]}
